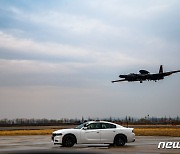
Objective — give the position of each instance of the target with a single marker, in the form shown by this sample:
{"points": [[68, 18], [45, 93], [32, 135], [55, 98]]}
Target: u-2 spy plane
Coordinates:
{"points": [[145, 75]]}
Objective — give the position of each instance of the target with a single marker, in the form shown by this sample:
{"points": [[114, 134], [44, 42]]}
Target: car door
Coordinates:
{"points": [[107, 133], [91, 134]]}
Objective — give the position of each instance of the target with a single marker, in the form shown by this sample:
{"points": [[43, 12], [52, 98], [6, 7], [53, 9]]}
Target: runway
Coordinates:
{"points": [[43, 144]]}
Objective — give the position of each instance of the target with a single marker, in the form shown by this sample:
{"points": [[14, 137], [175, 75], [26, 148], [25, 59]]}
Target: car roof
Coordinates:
{"points": [[99, 121]]}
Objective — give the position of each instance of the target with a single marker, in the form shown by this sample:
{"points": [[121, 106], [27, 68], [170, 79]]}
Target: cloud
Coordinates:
{"points": [[30, 66], [83, 55], [56, 63], [27, 45], [78, 24], [131, 9], [73, 25]]}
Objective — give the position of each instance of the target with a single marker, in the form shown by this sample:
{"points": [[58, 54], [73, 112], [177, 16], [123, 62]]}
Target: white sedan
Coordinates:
{"points": [[94, 132]]}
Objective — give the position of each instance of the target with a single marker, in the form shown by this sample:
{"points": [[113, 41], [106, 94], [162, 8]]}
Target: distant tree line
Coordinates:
{"points": [[128, 120], [38, 122]]}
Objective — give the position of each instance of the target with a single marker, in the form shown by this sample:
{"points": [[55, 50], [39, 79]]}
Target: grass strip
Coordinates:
{"points": [[26, 132], [175, 132]]}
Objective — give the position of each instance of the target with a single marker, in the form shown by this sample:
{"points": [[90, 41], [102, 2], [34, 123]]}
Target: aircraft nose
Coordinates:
{"points": [[121, 76]]}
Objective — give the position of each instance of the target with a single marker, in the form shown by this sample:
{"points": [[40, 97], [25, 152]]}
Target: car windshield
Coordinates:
{"points": [[80, 126]]}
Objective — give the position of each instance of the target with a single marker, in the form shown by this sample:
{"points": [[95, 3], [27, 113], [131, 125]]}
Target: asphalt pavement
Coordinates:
{"points": [[43, 144]]}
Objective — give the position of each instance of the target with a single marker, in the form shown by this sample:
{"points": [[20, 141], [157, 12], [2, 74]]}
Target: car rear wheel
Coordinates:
{"points": [[68, 141], [119, 140]]}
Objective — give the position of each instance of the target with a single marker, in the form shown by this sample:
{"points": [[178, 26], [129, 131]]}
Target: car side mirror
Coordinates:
{"points": [[84, 128]]}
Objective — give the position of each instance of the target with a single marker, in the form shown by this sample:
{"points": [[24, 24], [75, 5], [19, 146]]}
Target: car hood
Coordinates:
{"points": [[63, 131]]}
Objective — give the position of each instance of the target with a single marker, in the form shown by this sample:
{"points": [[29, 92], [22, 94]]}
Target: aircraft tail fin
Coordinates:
{"points": [[161, 69]]}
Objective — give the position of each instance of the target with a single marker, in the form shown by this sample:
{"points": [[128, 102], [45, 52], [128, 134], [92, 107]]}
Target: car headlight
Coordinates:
{"points": [[57, 134]]}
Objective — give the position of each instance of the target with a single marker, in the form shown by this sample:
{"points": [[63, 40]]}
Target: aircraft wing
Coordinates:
{"points": [[119, 80], [175, 71]]}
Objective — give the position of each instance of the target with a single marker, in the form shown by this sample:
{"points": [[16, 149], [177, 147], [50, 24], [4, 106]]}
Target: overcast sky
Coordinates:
{"points": [[58, 58]]}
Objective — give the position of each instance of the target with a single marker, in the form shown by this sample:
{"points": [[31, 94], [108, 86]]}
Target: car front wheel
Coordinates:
{"points": [[119, 141], [68, 141]]}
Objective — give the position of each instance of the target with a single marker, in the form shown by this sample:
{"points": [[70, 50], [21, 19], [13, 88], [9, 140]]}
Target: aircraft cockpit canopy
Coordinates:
{"points": [[144, 72]]}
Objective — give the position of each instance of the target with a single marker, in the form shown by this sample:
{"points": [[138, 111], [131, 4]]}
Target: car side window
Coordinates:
{"points": [[108, 126], [94, 126]]}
